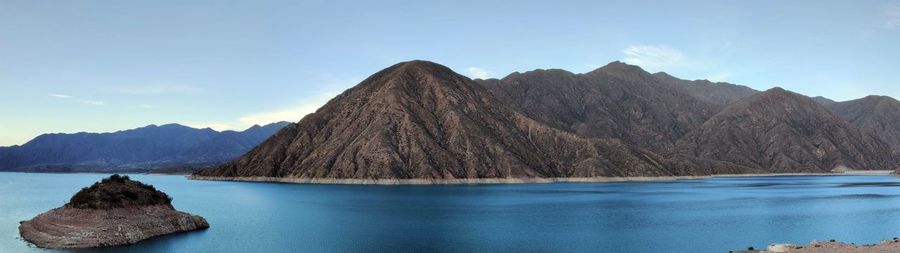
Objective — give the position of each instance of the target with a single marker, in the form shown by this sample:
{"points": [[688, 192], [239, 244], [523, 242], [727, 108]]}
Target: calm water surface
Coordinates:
{"points": [[714, 215]]}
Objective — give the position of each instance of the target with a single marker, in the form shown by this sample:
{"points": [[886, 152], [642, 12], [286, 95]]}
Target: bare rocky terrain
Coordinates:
{"points": [[115, 211], [887, 246], [720, 93], [421, 122], [875, 115], [615, 101], [783, 132]]}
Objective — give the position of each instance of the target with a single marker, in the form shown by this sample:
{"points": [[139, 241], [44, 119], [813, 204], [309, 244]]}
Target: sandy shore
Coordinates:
{"points": [[511, 180]]}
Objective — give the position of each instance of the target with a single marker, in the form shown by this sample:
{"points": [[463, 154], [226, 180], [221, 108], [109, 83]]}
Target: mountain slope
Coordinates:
{"points": [[875, 115], [141, 148], [719, 93], [421, 120], [781, 131], [615, 101], [824, 101], [228, 145]]}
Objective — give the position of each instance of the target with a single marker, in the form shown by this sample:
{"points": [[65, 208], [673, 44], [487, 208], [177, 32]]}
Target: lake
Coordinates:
{"points": [[709, 215]]}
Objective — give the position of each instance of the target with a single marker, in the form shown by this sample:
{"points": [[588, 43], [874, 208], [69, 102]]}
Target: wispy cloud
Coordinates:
{"points": [[654, 58], [479, 73], [161, 89], [83, 101], [145, 106], [92, 102], [892, 17], [292, 113]]}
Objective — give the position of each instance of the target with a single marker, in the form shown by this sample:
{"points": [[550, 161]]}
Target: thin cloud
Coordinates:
{"points": [[892, 17], [63, 96], [145, 106], [290, 114], [478, 73], [654, 58], [158, 90], [92, 102]]}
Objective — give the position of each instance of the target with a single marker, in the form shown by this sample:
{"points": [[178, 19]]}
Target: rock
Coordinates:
{"points": [[780, 247], [720, 93], [780, 131], [615, 101], [421, 120], [115, 211], [875, 115], [832, 246]]}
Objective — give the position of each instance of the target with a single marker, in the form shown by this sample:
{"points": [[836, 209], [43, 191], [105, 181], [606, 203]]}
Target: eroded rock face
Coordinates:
{"points": [[616, 101], [781, 131], [421, 120], [115, 211], [875, 115]]}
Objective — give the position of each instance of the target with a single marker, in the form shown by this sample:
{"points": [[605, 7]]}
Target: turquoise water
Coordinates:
{"points": [[713, 215]]}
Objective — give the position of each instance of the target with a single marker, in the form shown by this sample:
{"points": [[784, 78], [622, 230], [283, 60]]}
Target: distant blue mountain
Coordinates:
{"points": [[141, 149]]}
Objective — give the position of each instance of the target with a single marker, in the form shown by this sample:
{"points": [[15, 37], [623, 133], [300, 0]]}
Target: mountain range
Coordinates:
{"points": [[142, 149], [422, 121], [419, 120]]}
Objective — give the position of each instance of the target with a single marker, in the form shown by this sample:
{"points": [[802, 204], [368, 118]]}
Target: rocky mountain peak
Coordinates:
{"points": [[419, 68], [421, 120], [776, 100], [619, 68]]}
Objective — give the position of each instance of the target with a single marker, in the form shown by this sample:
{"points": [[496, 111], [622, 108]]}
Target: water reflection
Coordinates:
{"points": [[710, 215]]}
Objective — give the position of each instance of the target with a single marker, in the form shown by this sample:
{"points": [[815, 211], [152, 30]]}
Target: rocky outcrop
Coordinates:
{"points": [[421, 120], [780, 131], [115, 211]]}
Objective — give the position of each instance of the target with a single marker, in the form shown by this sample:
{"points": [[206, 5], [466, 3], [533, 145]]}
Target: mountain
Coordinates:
{"points": [[615, 101], [228, 145], [420, 120], [720, 93], [824, 101], [142, 148], [875, 115], [781, 131]]}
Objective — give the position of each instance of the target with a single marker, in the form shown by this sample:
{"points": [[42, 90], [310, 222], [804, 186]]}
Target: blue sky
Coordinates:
{"points": [[70, 66]]}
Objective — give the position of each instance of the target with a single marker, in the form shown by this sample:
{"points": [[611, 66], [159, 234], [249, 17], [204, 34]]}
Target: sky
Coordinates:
{"points": [[100, 66]]}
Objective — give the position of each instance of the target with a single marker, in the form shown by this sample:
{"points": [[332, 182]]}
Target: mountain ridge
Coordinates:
{"points": [[782, 131], [416, 122], [138, 149], [421, 120]]}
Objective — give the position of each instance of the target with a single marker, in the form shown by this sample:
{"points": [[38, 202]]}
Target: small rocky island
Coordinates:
{"points": [[114, 211]]}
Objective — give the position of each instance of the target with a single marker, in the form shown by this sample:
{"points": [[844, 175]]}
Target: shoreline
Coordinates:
{"points": [[472, 181]]}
